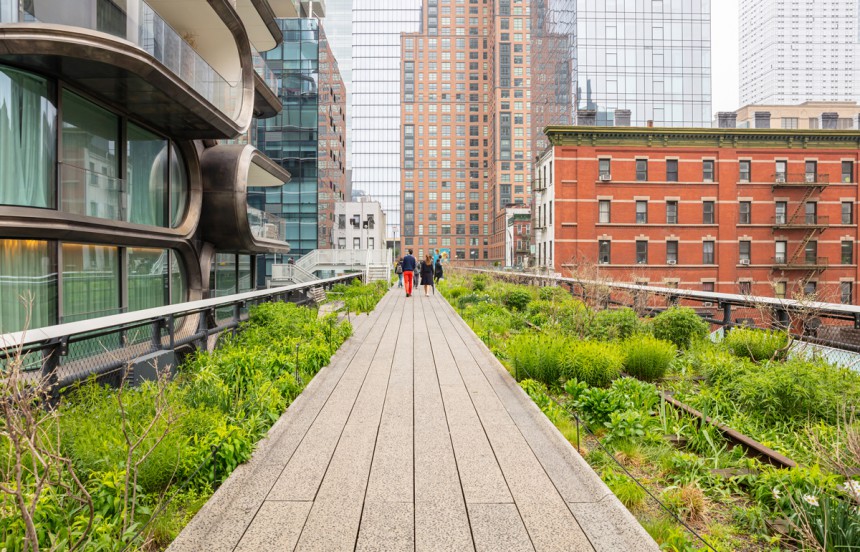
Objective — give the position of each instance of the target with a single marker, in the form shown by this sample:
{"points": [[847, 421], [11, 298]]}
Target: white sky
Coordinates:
{"points": [[724, 55]]}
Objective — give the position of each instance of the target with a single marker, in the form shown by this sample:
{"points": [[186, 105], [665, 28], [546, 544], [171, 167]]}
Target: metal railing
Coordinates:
{"points": [[146, 30], [833, 325], [800, 179], [267, 225], [262, 68], [801, 262], [67, 353], [800, 221]]}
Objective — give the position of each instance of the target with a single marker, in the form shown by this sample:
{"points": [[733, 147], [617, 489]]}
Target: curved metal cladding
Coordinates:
{"points": [[135, 62], [228, 171]]}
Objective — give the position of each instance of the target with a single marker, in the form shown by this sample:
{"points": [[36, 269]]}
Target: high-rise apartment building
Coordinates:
{"points": [[308, 138], [652, 58], [795, 51], [376, 46]]}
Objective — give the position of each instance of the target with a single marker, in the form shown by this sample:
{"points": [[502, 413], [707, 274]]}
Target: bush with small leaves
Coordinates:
{"points": [[615, 324], [479, 283], [757, 345], [680, 325], [647, 357], [517, 299]]}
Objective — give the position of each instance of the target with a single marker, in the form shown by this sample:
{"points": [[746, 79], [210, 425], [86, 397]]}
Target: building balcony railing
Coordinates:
{"points": [[262, 68], [807, 222], [800, 180], [145, 29], [538, 185], [267, 225], [802, 263]]}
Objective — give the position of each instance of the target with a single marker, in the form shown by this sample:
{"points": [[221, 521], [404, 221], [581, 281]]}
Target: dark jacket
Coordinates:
{"points": [[426, 272], [409, 263], [440, 273]]}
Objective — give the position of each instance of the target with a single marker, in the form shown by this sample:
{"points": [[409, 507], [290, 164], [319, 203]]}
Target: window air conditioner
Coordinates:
{"points": [[605, 177], [745, 261], [671, 262], [810, 178], [707, 304], [780, 179]]}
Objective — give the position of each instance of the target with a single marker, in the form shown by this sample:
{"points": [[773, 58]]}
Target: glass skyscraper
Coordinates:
{"points": [[653, 58], [377, 26], [308, 138]]}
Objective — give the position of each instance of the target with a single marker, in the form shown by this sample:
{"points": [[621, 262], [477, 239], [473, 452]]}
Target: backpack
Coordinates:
{"points": [[398, 269]]}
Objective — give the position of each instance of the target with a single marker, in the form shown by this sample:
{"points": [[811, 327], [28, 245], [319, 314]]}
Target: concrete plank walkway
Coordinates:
{"points": [[414, 438]]}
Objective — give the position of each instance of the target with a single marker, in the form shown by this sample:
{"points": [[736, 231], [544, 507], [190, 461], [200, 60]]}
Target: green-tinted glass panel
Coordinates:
{"points": [[28, 284], [147, 177], [245, 282], [89, 175], [148, 278], [225, 281], [28, 139], [178, 289], [178, 187], [90, 281]]}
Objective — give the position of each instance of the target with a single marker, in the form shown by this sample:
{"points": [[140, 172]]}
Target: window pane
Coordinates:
{"points": [[147, 278], [671, 170], [178, 187], [847, 252], [89, 176], [147, 177], [28, 138], [641, 170], [245, 282], [90, 281], [28, 268], [177, 279], [745, 171], [847, 213]]}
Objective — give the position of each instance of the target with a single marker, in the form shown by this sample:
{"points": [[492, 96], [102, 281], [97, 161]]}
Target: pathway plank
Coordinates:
{"points": [[415, 438]]}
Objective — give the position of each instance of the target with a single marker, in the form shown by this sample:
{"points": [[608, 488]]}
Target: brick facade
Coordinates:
{"points": [[800, 190]]}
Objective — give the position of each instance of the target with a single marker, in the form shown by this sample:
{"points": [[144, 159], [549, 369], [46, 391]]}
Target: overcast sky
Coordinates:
{"points": [[724, 55]]}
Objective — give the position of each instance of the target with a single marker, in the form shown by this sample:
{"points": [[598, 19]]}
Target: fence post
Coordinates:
{"points": [[727, 317], [51, 354], [158, 325]]}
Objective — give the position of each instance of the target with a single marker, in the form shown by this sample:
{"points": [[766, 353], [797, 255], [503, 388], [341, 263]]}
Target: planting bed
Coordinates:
{"points": [[149, 457], [601, 375]]}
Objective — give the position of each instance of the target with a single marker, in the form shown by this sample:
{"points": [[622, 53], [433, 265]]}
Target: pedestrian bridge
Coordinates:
{"points": [[414, 438]]}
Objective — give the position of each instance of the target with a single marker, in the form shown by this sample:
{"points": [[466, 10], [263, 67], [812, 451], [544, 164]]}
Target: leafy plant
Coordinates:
{"points": [[757, 345], [538, 356], [615, 324], [647, 357], [625, 426], [628, 491], [593, 362], [680, 325], [517, 299], [479, 283]]}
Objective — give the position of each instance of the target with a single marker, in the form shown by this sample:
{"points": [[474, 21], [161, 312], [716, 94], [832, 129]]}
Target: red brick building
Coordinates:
{"points": [[766, 211]]}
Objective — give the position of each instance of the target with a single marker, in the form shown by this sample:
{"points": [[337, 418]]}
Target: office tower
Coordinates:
{"points": [[308, 138], [653, 60], [376, 31], [114, 193], [794, 51]]}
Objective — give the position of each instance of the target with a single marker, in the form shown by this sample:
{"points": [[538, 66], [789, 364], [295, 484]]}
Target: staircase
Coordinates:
{"points": [[375, 264]]}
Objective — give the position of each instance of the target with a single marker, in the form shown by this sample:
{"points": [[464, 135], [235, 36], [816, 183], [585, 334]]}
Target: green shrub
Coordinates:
{"points": [[598, 405], [595, 363], [647, 357], [479, 283], [517, 299], [680, 325], [615, 324], [472, 298], [493, 318], [538, 357], [554, 293], [757, 344], [628, 491], [455, 292]]}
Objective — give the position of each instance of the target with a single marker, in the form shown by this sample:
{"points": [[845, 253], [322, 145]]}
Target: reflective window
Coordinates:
{"points": [[147, 177], [178, 187], [89, 173], [90, 277], [148, 278], [28, 284], [28, 137]]}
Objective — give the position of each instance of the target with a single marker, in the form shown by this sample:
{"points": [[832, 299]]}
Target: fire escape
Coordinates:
{"points": [[800, 219]]}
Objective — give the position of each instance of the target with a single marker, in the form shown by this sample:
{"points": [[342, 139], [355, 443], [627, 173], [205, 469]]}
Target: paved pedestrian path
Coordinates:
{"points": [[414, 438]]}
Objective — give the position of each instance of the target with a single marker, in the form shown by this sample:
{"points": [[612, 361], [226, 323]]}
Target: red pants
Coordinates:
{"points": [[407, 281]]}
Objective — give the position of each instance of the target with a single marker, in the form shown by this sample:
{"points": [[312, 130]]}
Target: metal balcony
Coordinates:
{"points": [[802, 263], [800, 180], [805, 222]]}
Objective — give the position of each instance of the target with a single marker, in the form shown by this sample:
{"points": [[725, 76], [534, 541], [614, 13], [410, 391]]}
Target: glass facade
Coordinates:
{"points": [[308, 138], [653, 58], [89, 277], [154, 191], [28, 138], [376, 47], [553, 34]]}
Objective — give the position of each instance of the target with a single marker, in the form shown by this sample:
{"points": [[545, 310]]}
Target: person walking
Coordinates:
{"points": [[398, 269], [438, 273], [408, 265], [427, 274]]}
